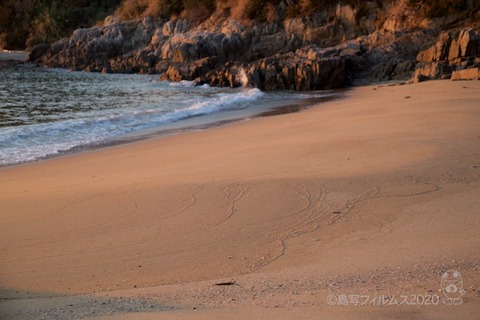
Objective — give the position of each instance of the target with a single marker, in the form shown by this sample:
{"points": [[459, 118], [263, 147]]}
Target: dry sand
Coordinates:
{"points": [[365, 200]]}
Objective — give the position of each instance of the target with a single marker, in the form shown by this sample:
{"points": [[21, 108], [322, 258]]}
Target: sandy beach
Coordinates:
{"points": [[353, 209]]}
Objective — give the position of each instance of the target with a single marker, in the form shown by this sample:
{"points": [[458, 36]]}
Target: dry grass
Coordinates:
{"points": [[190, 9], [132, 9], [238, 9]]}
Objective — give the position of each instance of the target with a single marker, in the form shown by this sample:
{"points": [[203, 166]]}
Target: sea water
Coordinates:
{"points": [[44, 112]]}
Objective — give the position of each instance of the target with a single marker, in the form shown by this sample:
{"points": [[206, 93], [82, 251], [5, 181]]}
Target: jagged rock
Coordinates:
{"points": [[90, 49], [148, 23], [182, 26], [337, 46], [58, 46], [466, 74], [182, 71], [201, 44], [404, 69], [289, 72], [387, 56], [292, 71], [168, 28], [157, 38], [466, 44], [38, 51], [434, 70], [453, 52], [437, 52]]}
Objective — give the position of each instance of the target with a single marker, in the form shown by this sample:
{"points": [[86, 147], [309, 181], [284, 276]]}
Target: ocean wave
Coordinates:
{"points": [[183, 83], [150, 107]]}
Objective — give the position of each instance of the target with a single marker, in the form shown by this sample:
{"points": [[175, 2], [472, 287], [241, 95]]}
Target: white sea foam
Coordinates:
{"points": [[241, 77], [183, 83], [56, 111], [222, 101]]}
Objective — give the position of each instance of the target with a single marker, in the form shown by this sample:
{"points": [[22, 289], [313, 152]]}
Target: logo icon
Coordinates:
{"points": [[452, 286]]}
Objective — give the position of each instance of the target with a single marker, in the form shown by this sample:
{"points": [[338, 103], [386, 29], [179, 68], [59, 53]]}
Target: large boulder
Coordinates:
{"points": [[455, 55], [466, 74], [38, 51], [289, 72]]}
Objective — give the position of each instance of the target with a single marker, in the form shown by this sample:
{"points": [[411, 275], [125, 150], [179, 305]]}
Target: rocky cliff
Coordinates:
{"points": [[337, 46], [455, 55]]}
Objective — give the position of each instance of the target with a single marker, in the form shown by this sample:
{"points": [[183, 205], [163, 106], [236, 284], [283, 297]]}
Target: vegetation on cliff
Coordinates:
{"points": [[261, 9], [24, 23]]}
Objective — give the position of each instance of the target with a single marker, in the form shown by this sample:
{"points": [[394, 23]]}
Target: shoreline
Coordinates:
{"points": [[211, 121], [270, 107], [14, 56], [265, 218]]}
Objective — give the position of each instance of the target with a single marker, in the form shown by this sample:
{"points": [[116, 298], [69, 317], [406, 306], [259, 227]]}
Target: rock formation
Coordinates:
{"points": [[455, 55], [331, 49]]}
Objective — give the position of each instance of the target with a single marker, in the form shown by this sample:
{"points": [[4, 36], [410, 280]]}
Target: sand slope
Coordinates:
{"points": [[375, 194]]}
